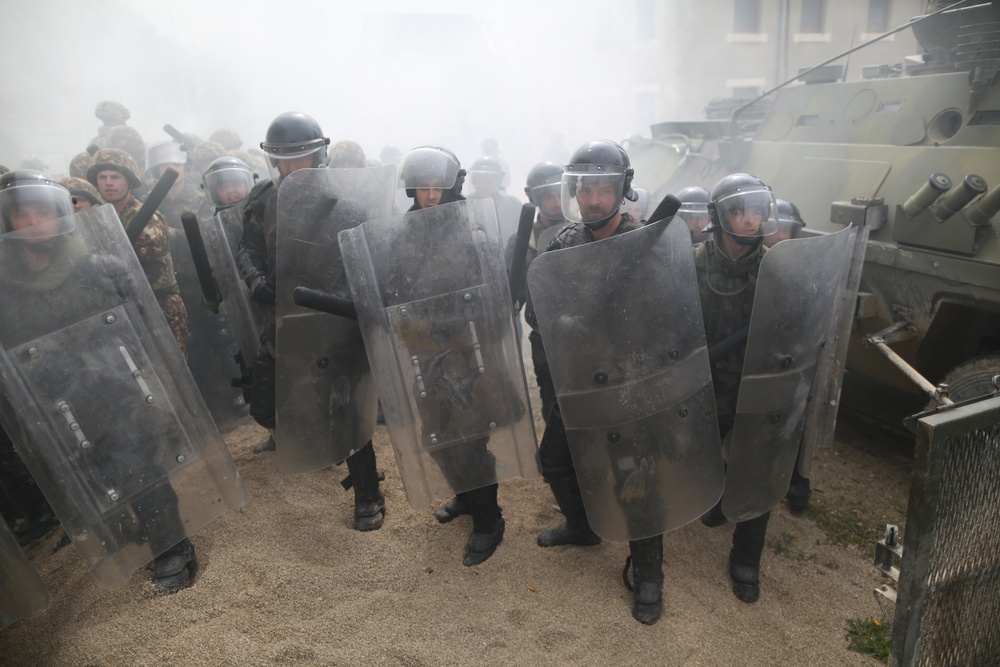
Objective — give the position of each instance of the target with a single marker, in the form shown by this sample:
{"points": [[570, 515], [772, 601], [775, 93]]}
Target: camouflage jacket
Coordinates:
{"points": [[726, 288], [575, 234], [153, 249]]}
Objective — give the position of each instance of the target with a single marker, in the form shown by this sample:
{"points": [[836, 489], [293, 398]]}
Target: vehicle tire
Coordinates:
{"points": [[972, 378]]}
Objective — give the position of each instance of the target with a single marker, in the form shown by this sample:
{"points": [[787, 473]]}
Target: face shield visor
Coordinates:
{"points": [[283, 159], [428, 167], [548, 198], [748, 213], [695, 214], [227, 187], [37, 215], [592, 193]]}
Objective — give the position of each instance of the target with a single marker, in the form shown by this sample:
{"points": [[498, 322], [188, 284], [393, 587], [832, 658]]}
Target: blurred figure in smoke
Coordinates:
{"points": [[294, 141], [129, 140], [347, 155], [111, 114], [79, 165], [790, 223], [84, 194], [639, 208], [115, 174], [33, 162], [694, 211], [486, 175], [227, 138]]}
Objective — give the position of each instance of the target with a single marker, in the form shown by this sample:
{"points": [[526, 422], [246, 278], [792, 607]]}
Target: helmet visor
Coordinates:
{"points": [[428, 167], [591, 193], [227, 187], [748, 213], [34, 213]]}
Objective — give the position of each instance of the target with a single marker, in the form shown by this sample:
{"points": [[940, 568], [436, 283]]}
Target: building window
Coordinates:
{"points": [[746, 16], [812, 16], [645, 14], [878, 16]]}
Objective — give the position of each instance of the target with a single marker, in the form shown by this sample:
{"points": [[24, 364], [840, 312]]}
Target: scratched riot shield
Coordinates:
{"points": [[326, 403], [432, 297], [98, 399], [222, 237], [23, 594], [793, 319], [623, 333]]}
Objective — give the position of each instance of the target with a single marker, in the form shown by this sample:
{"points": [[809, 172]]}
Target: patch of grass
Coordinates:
{"points": [[845, 526], [870, 636], [790, 547]]}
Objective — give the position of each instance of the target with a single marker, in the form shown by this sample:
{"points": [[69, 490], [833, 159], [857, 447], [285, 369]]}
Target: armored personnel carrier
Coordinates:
{"points": [[913, 150]]}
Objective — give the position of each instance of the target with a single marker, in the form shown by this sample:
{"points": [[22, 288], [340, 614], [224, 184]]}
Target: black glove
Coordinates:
{"points": [[261, 290]]}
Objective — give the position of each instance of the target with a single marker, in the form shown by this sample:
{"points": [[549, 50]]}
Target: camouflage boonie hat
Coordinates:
{"points": [[203, 154], [111, 112], [81, 188], [79, 165], [129, 140], [227, 138], [120, 161], [346, 154]]}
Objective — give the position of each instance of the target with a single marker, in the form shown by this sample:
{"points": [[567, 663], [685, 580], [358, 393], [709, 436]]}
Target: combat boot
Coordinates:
{"points": [[744, 559], [576, 529], [487, 525], [714, 517], [452, 509], [647, 573], [174, 569], [369, 503], [798, 493]]}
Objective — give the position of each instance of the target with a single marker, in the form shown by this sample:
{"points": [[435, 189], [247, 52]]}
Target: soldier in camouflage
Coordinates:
{"points": [[79, 165], [114, 173], [594, 184], [111, 114], [129, 140], [727, 264], [227, 138], [294, 141], [84, 194]]}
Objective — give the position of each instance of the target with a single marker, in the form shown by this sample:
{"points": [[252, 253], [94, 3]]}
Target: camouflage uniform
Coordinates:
{"points": [[727, 289], [227, 138], [129, 140], [79, 187], [79, 165], [153, 249]]}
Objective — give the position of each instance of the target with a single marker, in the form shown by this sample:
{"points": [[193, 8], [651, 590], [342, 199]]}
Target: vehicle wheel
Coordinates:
{"points": [[972, 378]]}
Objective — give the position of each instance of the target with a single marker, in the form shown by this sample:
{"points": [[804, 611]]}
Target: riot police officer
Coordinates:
{"points": [[742, 216], [227, 182], [694, 211], [487, 175], [294, 141], [790, 223], [596, 181]]}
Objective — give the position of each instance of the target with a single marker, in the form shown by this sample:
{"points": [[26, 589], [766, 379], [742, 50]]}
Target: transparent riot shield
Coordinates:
{"points": [[326, 404], [222, 238], [434, 306], [23, 594], [99, 401], [623, 333], [793, 319]]}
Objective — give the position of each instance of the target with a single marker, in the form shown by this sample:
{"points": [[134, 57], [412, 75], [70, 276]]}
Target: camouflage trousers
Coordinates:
{"points": [[177, 319]]}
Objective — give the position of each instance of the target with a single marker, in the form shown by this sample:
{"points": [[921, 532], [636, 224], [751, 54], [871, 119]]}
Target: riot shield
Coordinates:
{"points": [[434, 306], [623, 333], [793, 319], [23, 594], [222, 238], [326, 403], [99, 401]]}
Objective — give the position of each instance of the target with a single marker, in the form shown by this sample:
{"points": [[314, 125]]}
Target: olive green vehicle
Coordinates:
{"points": [[914, 149]]}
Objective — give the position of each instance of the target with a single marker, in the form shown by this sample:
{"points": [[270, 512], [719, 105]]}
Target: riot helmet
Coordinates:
{"points": [[790, 223], [743, 207], [227, 181], [432, 168], [639, 208], [291, 137], [347, 154], [34, 208], [164, 154], [599, 174], [544, 179], [694, 208], [486, 175]]}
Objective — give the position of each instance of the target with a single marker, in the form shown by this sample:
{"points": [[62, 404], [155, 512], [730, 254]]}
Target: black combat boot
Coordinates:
{"points": [[369, 503], [647, 574], [798, 493], [744, 559], [174, 569], [714, 517], [576, 529], [266, 446], [487, 525], [454, 508]]}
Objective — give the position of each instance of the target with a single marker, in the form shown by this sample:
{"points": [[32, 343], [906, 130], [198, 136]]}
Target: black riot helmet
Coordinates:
{"points": [[29, 197], [788, 213], [294, 135], [694, 209], [227, 181], [432, 167], [743, 207], [600, 168], [543, 175]]}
